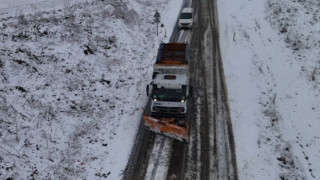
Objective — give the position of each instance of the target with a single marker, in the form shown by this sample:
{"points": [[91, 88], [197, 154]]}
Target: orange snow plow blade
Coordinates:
{"points": [[166, 127]]}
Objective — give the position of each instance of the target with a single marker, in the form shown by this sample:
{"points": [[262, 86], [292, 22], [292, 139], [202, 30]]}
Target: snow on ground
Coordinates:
{"points": [[73, 77], [19, 7], [271, 60]]}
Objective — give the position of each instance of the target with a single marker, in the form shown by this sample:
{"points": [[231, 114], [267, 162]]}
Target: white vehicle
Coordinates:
{"points": [[186, 18]]}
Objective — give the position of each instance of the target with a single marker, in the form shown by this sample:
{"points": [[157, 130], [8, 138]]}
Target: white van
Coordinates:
{"points": [[186, 18]]}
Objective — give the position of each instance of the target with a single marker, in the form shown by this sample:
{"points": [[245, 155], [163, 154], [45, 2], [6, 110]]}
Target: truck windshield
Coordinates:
{"points": [[173, 95], [186, 16]]}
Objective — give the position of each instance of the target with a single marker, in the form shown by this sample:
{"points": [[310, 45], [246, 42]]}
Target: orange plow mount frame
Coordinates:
{"points": [[166, 127]]}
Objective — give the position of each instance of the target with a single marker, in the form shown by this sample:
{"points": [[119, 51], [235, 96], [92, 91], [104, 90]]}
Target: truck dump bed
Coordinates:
{"points": [[172, 59], [172, 54]]}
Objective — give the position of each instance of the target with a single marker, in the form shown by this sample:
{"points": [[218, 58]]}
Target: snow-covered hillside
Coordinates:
{"points": [[271, 55], [73, 76]]}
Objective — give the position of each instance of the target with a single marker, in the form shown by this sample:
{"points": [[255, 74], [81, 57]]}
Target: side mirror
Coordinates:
{"points": [[154, 75], [190, 91], [147, 90]]}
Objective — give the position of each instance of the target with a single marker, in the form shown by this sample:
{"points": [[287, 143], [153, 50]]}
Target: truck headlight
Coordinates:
{"points": [[154, 100], [182, 100]]}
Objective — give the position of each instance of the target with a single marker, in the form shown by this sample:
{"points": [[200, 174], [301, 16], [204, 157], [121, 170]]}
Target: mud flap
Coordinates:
{"points": [[167, 128]]}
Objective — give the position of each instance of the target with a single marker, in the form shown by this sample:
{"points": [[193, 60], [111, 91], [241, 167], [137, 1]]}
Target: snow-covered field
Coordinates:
{"points": [[271, 55], [73, 77]]}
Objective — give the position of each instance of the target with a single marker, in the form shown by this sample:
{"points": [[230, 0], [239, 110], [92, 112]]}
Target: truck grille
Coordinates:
{"points": [[168, 112]]}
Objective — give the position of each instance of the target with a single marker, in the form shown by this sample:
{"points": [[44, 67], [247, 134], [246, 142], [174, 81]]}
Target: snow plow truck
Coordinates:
{"points": [[169, 93]]}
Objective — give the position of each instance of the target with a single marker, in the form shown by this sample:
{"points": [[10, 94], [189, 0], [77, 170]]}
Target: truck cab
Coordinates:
{"points": [[169, 96]]}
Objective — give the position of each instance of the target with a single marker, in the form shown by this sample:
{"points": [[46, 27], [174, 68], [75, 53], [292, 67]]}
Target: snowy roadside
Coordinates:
{"points": [[73, 84], [271, 59], [23, 7]]}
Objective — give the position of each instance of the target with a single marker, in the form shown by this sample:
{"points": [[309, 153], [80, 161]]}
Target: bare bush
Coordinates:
{"points": [[22, 20]]}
